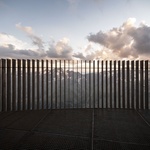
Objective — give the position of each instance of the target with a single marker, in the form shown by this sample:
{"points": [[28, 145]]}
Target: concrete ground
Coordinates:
{"points": [[76, 129]]}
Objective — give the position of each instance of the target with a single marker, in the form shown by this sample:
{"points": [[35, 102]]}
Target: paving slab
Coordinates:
{"points": [[28, 121], [67, 122], [145, 114], [10, 138], [122, 126], [73, 129], [38, 140]]}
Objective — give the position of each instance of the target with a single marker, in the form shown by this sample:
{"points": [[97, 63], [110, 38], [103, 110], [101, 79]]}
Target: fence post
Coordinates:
{"points": [[55, 84], [115, 84], [33, 84], [110, 67], [38, 85], [4, 92], [8, 85], [106, 83], [60, 84], [29, 80], [85, 85], [94, 84], [89, 84], [102, 63], [19, 85], [141, 84], [98, 83], [42, 67], [137, 84], [64, 84], [0, 85], [24, 83], [128, 84], [68, 83], [119, 95], [51, 84], [123, 83], [47, 88], [13, 84], [81, 87], [146, 86], [132, 84], [73, 85]]}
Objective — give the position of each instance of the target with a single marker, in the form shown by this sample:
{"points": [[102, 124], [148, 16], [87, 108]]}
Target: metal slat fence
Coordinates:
{"points": [[64, 84]]}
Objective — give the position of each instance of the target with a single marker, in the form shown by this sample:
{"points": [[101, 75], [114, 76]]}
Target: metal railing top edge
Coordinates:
{"points": [[77, 60]]}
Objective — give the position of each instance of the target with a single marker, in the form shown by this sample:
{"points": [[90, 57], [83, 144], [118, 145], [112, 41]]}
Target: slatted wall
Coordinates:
{"points": [[64, 84]]}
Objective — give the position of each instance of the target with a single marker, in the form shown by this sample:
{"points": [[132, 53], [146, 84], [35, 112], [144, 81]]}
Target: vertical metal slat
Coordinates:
{"points": [[38, 91], [128, 84], [111, 103], [119, 95], [115, 84], [13, 84], [94, 84], [106, 63], [73, 84], [4, 98], [123, 84], [89, 84], [141, 85], [102, 63], [68, 83], [47, 88], [51, 84], [81, 87], [146, 86], [55, 84], [60, 83], [77, 84], [24, 83], [8, 85], [19, 84], [33, 84], [29, 80], [42, 84], [137, 84], [132, 84], [64, 84], [98, 83]]}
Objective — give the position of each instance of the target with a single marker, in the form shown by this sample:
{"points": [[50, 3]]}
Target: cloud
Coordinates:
{"points": [[79, 55], [141, 36], [36, 40], [8, 51], [126, 41], [60, 49], [6, 39], [11, 47]]}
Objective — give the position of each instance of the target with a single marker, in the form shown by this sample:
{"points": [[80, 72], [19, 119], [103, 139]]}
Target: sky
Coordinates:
{"points": [[75, 29]]}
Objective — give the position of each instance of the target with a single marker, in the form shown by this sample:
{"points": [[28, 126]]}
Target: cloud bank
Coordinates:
{"points": [[11, 47], [126, 41]]}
